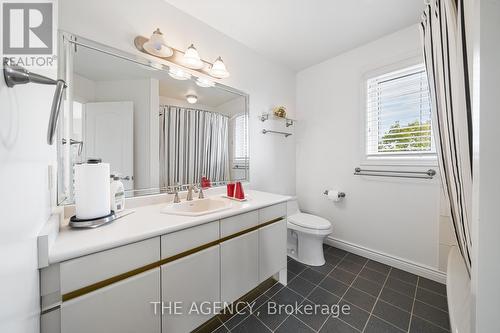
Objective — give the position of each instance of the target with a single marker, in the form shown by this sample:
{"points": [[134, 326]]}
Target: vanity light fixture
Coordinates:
{"points": [[157, 46], [204, 82], [178, 74], [155, 65], [192, 99], [191, 58], [218, 69]]}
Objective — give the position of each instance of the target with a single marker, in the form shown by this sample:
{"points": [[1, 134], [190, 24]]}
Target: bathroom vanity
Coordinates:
{"points": [[132, 114], [108, 279]]}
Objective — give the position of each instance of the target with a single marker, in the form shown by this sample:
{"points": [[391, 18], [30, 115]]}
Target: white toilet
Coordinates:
{"points": [[306, 233]]}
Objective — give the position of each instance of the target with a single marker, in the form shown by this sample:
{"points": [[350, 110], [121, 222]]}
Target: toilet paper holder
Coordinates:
{"points": [[339, 195]]}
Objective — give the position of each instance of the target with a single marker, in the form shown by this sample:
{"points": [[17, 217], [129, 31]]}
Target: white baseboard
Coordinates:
{"points": [[403, 264]]}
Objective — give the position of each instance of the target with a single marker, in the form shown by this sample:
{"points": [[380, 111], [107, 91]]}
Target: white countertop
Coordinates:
{"points": [[145, 222]]}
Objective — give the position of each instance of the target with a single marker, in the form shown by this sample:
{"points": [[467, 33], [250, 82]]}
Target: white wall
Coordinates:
{"points": [[486, 226], [395, 217], [272, 158], [25, 200]]}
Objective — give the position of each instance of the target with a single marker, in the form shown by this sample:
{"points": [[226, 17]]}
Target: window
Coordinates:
{"points": [[240, 139], [398, 119]]}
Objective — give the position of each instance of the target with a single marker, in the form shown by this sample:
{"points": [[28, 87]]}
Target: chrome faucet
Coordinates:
{"points": [[189, 196], [176, 194], [201, 195]]}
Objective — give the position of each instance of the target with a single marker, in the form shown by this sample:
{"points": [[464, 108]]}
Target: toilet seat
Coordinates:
{"points": [[309, 221]]}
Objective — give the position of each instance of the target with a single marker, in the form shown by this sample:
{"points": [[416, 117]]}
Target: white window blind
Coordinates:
{"points": [[240, 139], [399, 113]]}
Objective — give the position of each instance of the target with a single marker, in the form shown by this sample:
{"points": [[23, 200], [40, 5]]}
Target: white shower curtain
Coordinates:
{"points": [[193, 144], [445, 53]]}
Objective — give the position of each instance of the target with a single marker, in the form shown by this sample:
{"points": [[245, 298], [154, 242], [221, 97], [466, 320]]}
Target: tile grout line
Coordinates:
{"points": [[376, 300], [344, 258], [318, 286], [413, 305], [433, 323], [345, 292]]}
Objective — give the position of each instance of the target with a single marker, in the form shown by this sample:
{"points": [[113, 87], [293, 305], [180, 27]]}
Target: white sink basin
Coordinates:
{"points": [[197, 207]]}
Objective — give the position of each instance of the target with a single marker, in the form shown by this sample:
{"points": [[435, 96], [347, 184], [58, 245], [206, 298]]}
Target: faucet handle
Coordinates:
{"points": [[201, 195], [176, 193]]}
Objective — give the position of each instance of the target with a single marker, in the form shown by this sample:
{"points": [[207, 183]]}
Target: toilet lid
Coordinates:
{"points": [[309, 221]]}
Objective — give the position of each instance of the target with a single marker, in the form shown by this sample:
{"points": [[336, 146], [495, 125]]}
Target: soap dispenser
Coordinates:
{"points": [[117, 194]]}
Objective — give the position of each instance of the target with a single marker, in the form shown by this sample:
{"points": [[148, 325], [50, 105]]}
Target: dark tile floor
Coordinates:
{"points": [[382, 299]]}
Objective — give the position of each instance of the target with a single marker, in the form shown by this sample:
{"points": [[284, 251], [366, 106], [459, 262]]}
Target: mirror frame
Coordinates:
{"points": [[67, 46]]}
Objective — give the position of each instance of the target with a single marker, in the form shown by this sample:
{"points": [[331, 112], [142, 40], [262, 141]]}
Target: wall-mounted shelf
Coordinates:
{"points": [[266, 116]]}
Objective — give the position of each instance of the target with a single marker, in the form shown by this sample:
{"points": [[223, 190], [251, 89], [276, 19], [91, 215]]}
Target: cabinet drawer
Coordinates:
{"points": [[187, 239], [234, 224], [121, 307], [272, 212], [80, 272]]}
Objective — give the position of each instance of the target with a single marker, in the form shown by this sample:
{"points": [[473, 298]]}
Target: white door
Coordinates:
{"points": [[239, 266], [109, 135], [190, 281], [272, 249], [122, 307]]}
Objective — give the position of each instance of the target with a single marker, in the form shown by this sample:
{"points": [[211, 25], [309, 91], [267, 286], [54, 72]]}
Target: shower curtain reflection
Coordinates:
{"points": [[193, 143]]}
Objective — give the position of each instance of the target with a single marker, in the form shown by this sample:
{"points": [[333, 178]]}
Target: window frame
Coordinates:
{"points": [[235, 160], [400, 159]]}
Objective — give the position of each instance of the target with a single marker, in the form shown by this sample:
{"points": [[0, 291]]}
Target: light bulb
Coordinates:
{"points": [[178, 74], [157, 46], [191, 58], [157, 39], [218, 69], [204, 82], [191, 99]]}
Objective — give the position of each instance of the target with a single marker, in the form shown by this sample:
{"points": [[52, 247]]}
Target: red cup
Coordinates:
{"points": [[238, 192], [230, 190]]}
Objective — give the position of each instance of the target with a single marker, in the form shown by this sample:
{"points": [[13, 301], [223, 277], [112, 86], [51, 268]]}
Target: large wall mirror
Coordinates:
{"points": [[155, 131]]}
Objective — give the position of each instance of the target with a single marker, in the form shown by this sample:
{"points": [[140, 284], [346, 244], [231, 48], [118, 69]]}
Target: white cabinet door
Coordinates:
{"points": [[272, 249], [239, 266], [190, 281], [121, 307]]}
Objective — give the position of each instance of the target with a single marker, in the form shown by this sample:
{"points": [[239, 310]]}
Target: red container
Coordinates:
{"points": [[230, 189], [238, 192]]}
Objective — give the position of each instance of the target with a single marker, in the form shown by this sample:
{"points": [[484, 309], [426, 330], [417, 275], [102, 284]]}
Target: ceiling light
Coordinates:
{"points": [[157, 46], [178, 74], [191, 58], [218, 69], [191, 99], [204, 82]]}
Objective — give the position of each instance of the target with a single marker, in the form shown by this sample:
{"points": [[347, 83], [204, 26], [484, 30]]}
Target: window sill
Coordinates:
{"points": [[410, 161]]}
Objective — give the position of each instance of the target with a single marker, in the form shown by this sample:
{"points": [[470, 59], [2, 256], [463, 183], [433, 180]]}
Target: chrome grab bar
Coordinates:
{"points": [[14, 75], [429, 174], [264, 131]]}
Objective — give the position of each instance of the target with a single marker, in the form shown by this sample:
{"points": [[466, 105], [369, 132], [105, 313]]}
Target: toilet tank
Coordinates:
{"points": [[292, 206]]}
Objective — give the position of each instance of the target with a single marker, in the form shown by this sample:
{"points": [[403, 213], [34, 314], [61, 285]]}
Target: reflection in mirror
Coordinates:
{"points": [[140, 120]]}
